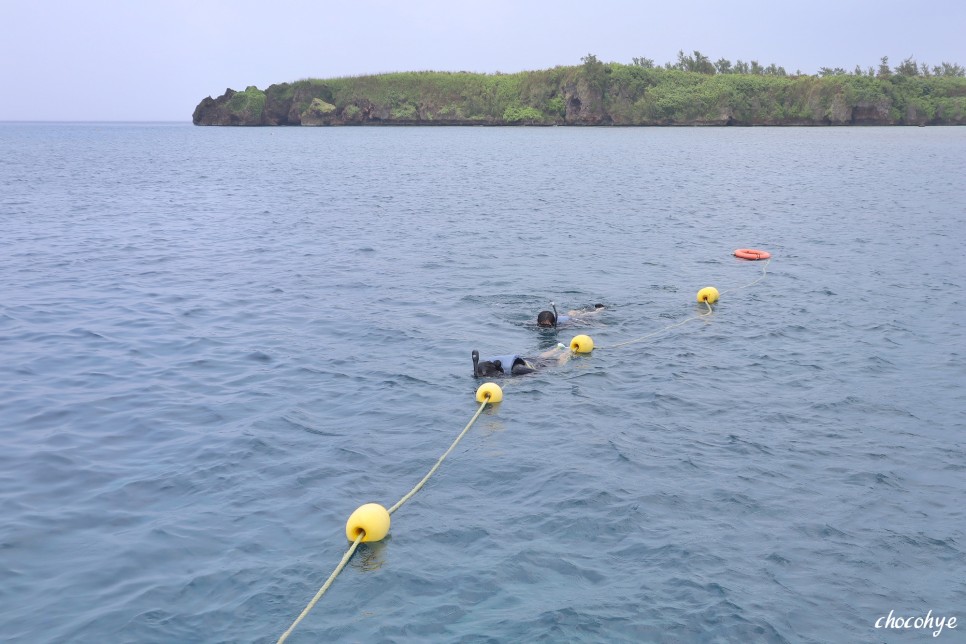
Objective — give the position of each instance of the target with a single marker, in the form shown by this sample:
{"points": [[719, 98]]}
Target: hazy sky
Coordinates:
{"points": [[146, 60]]}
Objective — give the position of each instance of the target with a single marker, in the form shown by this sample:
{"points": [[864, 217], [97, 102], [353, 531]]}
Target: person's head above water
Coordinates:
{"points": [[551, 319], [546, 319]]}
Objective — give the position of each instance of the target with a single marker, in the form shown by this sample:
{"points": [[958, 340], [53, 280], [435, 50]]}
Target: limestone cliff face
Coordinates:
{"points": [[873, 113], [215, 111], [584, 104]]}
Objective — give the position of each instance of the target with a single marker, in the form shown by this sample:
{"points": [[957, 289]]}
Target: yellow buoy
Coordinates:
{"points": [[489, 392], [708, 294], [582, 344], [371, 519]]}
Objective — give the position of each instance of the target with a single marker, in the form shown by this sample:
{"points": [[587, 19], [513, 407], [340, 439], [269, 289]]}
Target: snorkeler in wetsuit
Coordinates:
{"points": [[516, 365], [550, 319]]}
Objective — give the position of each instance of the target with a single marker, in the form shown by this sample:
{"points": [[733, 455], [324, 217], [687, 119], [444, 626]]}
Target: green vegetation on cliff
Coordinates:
{"points": [[693, 91], [248, 104]]}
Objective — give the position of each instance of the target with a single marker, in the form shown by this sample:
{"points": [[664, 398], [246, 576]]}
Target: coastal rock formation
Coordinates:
{"points": [[594, 94]]}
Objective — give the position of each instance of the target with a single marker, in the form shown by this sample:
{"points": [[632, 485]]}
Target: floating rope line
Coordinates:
{"points": [[325, 587], [488, 393], [699, 316], [763, 271], [435, 467]]}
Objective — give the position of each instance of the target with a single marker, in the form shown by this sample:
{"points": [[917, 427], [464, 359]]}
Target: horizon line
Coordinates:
{"points": [[91, 121]]}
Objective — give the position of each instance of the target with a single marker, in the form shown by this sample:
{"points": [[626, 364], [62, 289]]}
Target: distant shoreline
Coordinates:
{"points": [[63, 122], [597, 94]]}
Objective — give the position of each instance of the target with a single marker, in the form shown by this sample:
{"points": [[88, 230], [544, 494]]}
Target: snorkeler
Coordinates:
{"points": [[550, 319], [516, 365]]}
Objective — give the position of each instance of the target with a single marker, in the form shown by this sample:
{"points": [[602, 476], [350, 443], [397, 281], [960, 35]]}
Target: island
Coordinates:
{"points": [[693, 91]]}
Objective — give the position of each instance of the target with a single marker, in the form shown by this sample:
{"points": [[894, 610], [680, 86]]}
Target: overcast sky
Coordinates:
{"points": [[154, 60]]}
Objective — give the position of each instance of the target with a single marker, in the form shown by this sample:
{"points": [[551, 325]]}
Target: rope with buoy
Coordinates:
{"points": [[370, 522], [709, 295], [486, 399], [699, 316]]}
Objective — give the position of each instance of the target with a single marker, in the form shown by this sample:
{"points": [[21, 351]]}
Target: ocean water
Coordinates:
{"points": [[218, 342]]}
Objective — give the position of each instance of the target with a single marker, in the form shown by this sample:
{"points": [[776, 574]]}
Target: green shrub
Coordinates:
{"points": [[250, 103], [320, 107], [556, 106], [405, 112], [517, 114]]}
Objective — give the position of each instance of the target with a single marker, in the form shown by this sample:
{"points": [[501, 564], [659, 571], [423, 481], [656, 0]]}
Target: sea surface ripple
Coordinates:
{"points": [[219, 342]]}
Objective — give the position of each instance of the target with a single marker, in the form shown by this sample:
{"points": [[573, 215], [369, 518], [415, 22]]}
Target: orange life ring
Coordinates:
{"points": [[752, 253]]}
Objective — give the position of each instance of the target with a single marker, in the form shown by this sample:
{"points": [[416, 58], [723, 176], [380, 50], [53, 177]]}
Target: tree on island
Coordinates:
{"points": [[699, 63]]}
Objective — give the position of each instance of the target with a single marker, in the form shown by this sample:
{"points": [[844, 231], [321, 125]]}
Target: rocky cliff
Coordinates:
{"points": [[593, 95]]}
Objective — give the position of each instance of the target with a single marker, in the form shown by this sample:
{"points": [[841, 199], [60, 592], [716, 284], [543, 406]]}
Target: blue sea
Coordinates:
{"points": [[217, 343]]}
